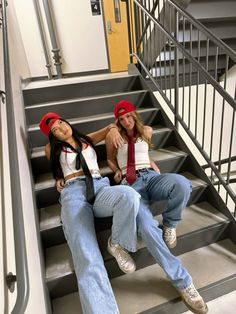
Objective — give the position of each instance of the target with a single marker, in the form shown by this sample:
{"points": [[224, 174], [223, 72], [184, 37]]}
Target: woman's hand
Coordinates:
{"points": [[116, 138], [60, 185], [118, 176]]}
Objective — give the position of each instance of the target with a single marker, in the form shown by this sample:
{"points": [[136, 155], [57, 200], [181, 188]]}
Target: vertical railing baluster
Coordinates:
{"points": [[230, 151], [213, 112], [183, 72], [190, 77], [222, 119], [197, 84], [176, 74], [205, 95], [170, 55]]}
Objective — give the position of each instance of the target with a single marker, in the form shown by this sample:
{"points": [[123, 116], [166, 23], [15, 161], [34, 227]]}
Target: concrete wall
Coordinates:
{"points": [[19, 67]]}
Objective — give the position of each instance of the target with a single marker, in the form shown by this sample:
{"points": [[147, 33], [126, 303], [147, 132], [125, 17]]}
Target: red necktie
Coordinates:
{"points": [[130, 171]]}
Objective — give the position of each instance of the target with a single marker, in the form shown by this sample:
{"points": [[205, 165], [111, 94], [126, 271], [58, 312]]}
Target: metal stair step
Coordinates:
{"points": [[40, 164], [169, 159], [87, 125], [203, 10], [79, 87], [163, 155], [82, 107], [50, 224], [61, 278]]}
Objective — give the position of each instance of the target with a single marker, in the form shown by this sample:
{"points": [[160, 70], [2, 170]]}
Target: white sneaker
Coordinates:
{"points": [[169, 236], [193, 300], [124, 260]]}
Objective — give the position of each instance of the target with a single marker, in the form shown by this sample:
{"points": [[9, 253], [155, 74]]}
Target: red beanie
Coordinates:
{"points": [[125, 105], [46, 127]]}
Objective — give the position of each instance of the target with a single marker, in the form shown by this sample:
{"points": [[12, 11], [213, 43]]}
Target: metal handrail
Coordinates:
{"points": [[22, 278], [55, 47], [143, 57], [42, 36]]}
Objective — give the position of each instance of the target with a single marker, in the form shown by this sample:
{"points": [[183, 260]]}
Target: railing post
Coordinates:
{"points": [[176, 74], [42, 35], [55, 48]]}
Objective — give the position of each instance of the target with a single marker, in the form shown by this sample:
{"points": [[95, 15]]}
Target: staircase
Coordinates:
{"points": [[206, 236], [217, 16]]}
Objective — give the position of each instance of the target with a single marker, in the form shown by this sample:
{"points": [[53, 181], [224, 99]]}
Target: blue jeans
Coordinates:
{"points": [[77, 217], [176, 190]]}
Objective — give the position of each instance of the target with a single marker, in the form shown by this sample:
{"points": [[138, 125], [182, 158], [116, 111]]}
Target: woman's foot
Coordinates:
{"points": [[124, 260], [193, 300], [169, 236]]}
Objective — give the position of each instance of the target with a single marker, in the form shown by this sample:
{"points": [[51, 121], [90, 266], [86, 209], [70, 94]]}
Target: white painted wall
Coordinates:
{"points": [[80, 35], [19, 66]]}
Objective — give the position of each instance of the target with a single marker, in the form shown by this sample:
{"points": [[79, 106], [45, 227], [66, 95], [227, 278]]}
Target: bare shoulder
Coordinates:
{"points": [[148, 131], [48, 150]]}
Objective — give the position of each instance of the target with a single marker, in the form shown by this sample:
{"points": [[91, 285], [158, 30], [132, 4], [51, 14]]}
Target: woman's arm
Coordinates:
{"points": [[60, 182], [47, 150], [111, 158], [148, 132], [154, 166], [101, 134]]}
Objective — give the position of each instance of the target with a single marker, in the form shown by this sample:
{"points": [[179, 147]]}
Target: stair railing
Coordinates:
{"points": [[21, 277], [186, 74]]}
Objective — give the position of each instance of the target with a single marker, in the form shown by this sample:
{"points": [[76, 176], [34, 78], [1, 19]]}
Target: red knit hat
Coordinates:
{"points": [[126, 105], [46, 127]]}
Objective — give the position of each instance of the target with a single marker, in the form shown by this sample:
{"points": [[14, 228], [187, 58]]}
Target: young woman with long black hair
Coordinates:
{"points": [[84, 193]]}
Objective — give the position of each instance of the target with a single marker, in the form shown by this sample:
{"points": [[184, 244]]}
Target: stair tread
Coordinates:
{"points": [[50, 216], [35, 127], [205, 10], [196, 217], [149, 287], [75, 80], [80, 99], [37, 152], [46, 180]]}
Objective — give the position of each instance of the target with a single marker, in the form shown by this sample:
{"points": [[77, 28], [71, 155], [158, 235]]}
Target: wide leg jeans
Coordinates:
{"points": [[77, 217], [175, 189]]}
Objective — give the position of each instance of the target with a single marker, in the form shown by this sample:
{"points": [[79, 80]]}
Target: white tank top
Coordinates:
{"points": [[68, 160], [141, 155]]}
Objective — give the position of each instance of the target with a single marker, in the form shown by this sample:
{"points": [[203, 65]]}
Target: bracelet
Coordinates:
{"points": [[112, 127]]}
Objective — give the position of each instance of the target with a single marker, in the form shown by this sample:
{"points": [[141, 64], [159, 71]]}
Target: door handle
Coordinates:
{"points": [[109, 28]]}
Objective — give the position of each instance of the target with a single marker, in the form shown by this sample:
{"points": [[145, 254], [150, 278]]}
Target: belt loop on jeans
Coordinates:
{"points": [[139, 171]]}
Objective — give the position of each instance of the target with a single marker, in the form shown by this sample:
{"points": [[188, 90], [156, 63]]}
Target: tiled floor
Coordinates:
{"points": [[222, 305]]}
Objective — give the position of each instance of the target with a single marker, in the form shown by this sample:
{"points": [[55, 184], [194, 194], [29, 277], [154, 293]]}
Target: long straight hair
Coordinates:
{"points": [[57, 146]]}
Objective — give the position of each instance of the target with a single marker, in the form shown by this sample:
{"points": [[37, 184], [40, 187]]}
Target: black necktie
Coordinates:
{"points": [[81, 162]]}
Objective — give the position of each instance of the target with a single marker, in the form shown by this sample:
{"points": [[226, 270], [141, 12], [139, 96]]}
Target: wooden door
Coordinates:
{"points": [[117, 34]]}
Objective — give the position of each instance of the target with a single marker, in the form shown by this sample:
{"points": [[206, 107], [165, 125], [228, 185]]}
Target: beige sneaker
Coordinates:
{"points": [[193, 300], [124, 260], [169, 236]]}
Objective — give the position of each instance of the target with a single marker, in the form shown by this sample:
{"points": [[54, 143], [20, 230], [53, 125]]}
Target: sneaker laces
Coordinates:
{"points": [[169, 232], [192, 292], [122, 254]]}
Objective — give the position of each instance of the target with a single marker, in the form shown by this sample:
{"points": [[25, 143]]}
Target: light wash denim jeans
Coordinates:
{"points": [[176, 190], [77, 217]]}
